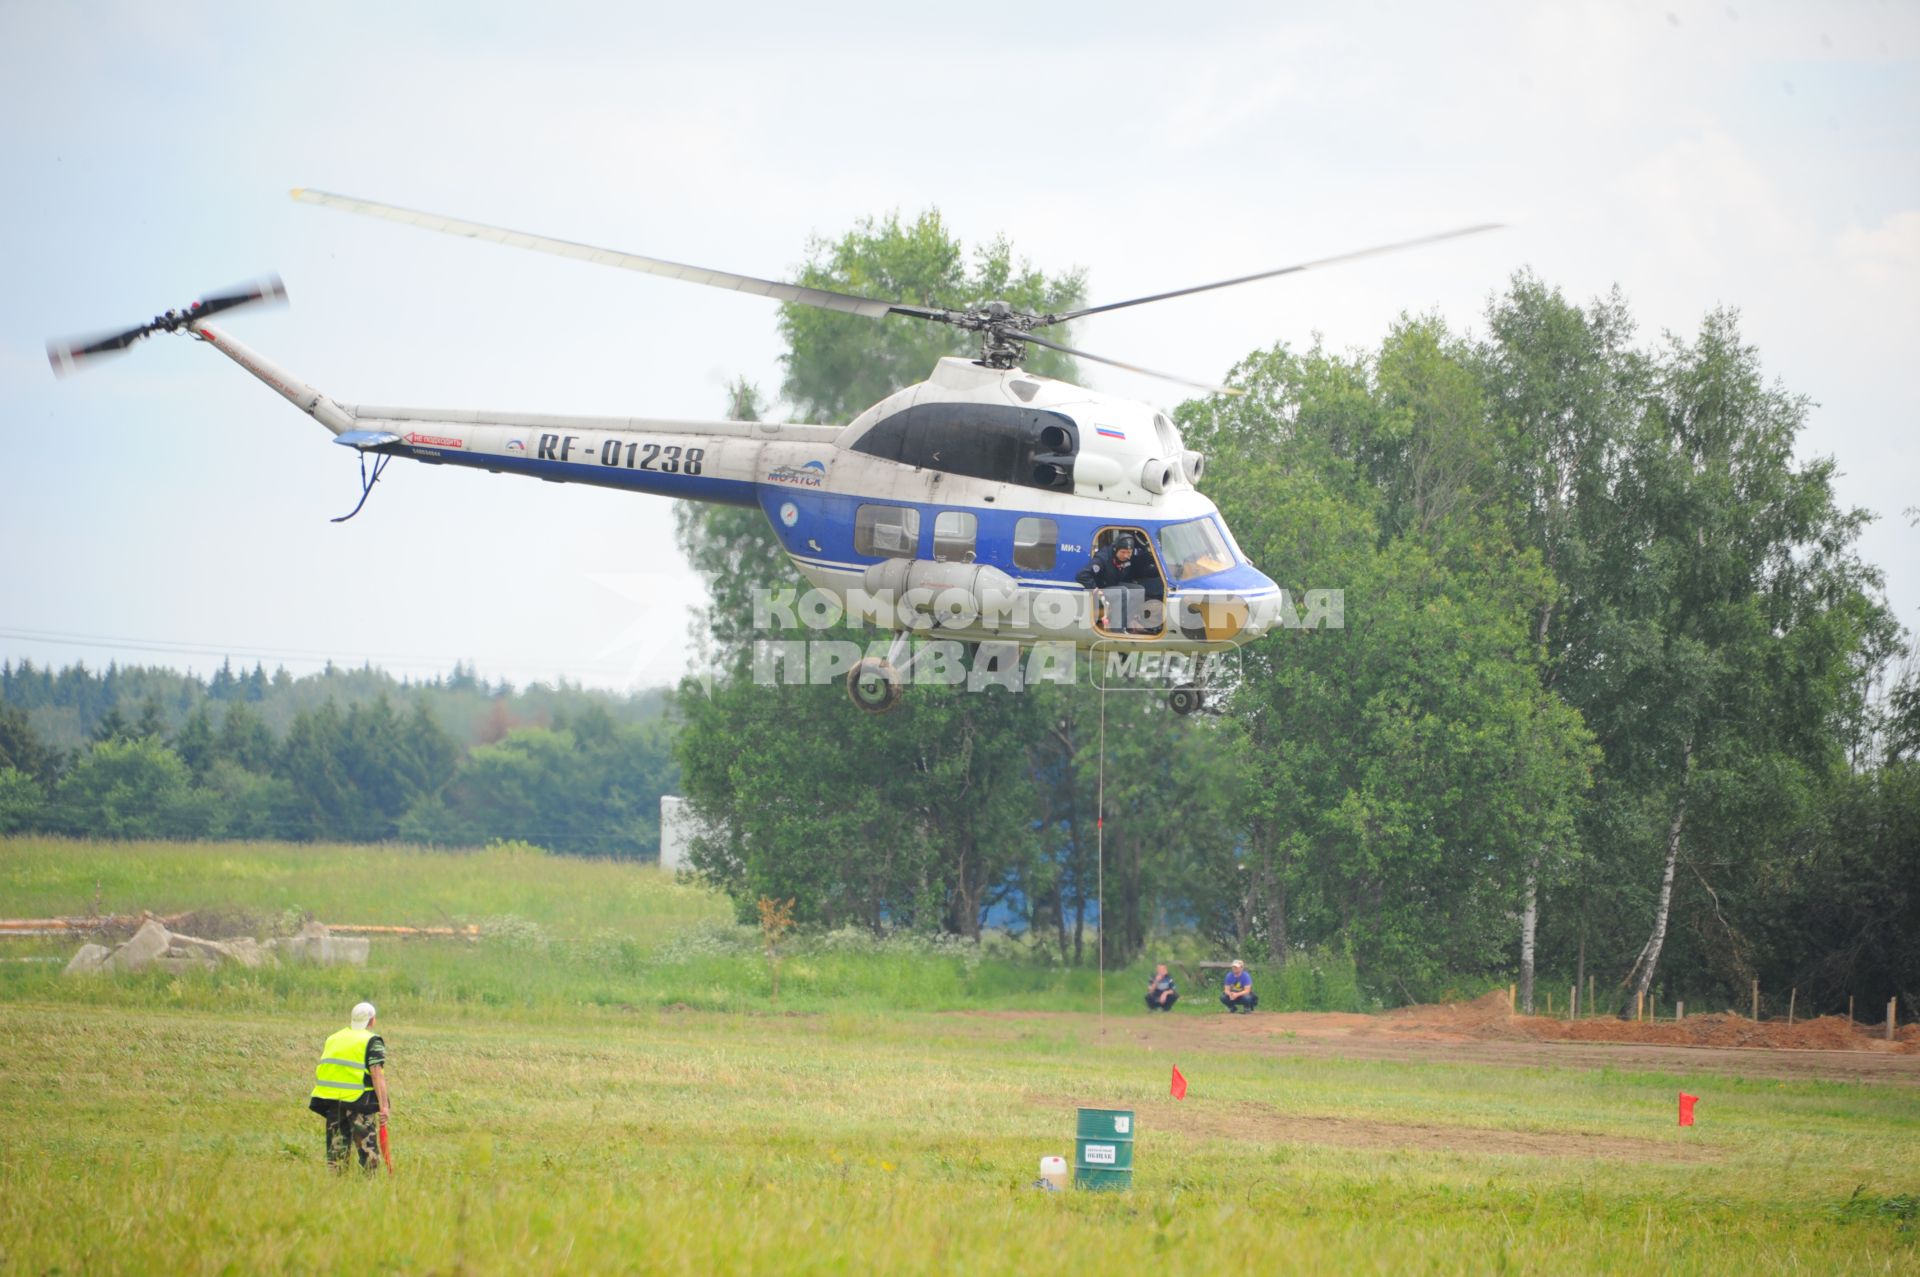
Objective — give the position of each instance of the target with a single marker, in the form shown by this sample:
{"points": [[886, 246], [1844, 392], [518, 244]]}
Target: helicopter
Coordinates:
{"points": [[965, 507]]}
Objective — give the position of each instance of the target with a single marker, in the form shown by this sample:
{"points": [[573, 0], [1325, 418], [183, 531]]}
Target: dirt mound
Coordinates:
{"points": [[1828, 1033], [1486, 1011], [1487, 1018]]}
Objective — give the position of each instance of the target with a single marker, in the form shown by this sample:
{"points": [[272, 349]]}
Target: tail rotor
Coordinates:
{"points": [[76, 353]]}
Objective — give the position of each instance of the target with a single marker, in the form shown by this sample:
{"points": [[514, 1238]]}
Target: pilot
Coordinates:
{"points": [[1123, 575]]}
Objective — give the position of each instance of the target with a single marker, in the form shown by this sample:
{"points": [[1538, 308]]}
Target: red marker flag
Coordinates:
{"points": [[1686, 1108], [1179, 1084]]}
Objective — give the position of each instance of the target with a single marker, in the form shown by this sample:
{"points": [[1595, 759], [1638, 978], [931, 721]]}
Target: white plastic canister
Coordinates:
{"points": [[1054, 1171]]}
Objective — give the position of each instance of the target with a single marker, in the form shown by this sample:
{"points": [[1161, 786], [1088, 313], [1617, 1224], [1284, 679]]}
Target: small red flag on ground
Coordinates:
{"points": [[1686, 1108], [1179, 1084]]}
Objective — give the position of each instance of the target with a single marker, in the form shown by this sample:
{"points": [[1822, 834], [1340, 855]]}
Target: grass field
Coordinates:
{"points": [[159, 1123]]}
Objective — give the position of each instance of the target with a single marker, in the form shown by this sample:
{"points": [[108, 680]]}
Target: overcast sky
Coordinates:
{"points": [[169, 509]]}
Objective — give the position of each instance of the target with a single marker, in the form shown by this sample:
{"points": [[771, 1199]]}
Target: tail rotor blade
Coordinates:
{"points": [[67, 357], [74, 354], [269, 289]]}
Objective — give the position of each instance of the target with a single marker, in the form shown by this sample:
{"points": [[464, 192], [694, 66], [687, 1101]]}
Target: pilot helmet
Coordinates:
{"points": [[1126, 541]]}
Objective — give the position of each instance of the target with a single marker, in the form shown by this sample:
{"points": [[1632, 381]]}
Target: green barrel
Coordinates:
{"points": [[1103, 1149]]}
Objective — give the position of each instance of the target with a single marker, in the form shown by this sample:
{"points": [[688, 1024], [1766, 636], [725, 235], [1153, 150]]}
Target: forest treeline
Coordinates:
{"points": [[342, 755], [1615, 697]]}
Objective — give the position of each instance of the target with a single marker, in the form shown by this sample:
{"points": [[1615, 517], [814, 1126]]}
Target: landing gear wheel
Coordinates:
{"points": [[874, 685], [1186, 700]]}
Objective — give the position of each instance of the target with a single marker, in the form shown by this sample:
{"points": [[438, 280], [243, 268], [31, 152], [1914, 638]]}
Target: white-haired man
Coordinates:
{"points": [[1236, 991], [350, 1091]]}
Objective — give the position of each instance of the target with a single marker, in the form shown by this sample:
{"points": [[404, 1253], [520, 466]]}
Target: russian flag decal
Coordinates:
{"points": [[1109, 432]]}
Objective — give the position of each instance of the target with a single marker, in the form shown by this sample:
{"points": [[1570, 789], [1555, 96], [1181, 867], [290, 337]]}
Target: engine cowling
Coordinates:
{"points": [[1159, 474]]}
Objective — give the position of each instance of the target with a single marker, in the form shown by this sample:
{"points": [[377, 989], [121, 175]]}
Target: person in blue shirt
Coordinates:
{"points": [[1237, 992]]}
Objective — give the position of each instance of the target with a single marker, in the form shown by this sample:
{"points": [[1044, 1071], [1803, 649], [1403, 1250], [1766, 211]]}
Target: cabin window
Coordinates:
{"points": [[1194, 549], [889, 531], [1035, 542], [953, 536]]}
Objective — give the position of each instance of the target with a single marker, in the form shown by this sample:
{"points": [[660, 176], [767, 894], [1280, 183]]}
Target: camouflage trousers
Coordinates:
{"points": [[355, 1131]]}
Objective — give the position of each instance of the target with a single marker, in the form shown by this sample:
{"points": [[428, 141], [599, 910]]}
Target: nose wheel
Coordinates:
{"points": [[1187, 699], [874, 685]]}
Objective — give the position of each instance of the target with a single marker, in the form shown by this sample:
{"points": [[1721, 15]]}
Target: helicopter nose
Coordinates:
{"points": [[1263, 601], [1236, 615]]}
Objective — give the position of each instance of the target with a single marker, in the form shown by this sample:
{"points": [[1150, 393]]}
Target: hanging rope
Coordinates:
{"points": [[1100, 862]]}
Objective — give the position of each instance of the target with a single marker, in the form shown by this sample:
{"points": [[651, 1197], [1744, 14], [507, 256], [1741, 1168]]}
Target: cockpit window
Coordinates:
{"points": [[997, 442], [1194, 548]]}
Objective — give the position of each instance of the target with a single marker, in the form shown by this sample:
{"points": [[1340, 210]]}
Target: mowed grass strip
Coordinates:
{"points": [[354, 884], [692, 1142]]}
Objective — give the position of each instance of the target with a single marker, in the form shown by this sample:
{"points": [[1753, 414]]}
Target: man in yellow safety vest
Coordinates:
{"points": [[350, 1091]]}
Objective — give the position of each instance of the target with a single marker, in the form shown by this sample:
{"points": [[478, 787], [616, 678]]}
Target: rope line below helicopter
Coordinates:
{"points": [[1100, 861], [380, 463]]}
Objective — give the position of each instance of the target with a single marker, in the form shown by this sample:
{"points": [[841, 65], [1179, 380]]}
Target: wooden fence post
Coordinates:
{"points": [[1890, 1006], [1679, 1012], [1639, 1007], [1756, 999], [1589, 995], [1512, 991], [1849, 1008], [1573, 1002]]}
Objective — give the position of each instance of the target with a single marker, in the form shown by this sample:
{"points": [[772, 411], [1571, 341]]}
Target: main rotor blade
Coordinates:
{"points": [[1047, 320], [1102, 359], [846, 303]]}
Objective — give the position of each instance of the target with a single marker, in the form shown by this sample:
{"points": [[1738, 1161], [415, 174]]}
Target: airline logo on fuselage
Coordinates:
{"points": [[811, 475]]}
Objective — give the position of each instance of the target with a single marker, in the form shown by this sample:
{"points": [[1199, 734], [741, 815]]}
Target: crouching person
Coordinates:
{"points": [[350, 1091], [1236, 993], [1161, 995]]}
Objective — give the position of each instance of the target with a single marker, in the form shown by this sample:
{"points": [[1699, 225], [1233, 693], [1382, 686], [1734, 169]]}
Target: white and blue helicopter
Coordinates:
{"points": [[969, 501]]}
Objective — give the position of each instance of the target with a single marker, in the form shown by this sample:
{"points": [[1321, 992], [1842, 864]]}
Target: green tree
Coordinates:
{"points": [[22, 801], [1743, 628], [1399, 772], [196, 744], [1564, 389], [590, 789], [113, 726], [132, 789], [21, 747], [245, 740]]}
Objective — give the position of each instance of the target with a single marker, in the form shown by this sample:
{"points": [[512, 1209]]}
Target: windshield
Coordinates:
{"points": [[1195, 548]]}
